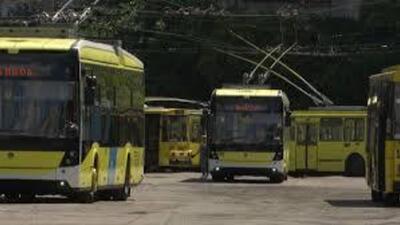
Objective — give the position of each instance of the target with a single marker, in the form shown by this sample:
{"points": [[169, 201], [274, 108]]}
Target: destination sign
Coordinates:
{"points": [[244, 107], [16, 71], [47, 66]]}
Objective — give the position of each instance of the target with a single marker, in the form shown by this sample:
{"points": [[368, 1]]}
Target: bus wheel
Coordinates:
{"points": [[376, 196], [355, 166], [230, 177], [277, 179], [391, 199], [216, 177], [124, 193], [89, 196], [27, 197]]}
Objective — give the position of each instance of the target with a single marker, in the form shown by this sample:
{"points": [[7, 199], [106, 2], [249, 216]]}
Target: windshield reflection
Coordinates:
{"points": [[34, 108]]}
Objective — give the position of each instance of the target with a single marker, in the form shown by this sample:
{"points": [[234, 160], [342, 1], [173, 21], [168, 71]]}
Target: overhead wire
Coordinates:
{"points": [[326, 99]]}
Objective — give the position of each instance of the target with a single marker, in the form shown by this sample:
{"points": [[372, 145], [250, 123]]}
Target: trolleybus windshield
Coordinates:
{"points": [[36, 94], [174, 129], [254, 121]]}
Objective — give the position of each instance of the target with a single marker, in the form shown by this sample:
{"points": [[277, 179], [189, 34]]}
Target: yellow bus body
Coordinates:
{"points": [[383, 155], [225, 163], [331, 154], [44, 165], [175, 153]]}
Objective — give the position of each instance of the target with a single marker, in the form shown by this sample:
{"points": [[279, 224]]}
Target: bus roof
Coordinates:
{"points": [[251, 92], [331, 112], [344, 108], [390, 73], [175, 102], [171, 111], [90, 52]]}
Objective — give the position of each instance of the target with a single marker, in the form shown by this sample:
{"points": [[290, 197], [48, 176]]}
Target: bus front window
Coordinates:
{"points": [[174, 129], [37, 95], [250, 123]]}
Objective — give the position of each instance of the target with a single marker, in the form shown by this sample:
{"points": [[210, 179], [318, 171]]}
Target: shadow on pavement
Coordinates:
{"points": [[235, 181], [39, 200], [353, 203]]}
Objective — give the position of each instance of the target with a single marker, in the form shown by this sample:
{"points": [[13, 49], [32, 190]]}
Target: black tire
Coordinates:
{"points": [[355, 166], [376, 196], [230, 177], [27, 197], [216, 177], [391, 199], [277, 179], [124, 193]]}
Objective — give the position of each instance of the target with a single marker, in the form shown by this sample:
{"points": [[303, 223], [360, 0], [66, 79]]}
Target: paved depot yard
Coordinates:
{"points": [[178, 198]]}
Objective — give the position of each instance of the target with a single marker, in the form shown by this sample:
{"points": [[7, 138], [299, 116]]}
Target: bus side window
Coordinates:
{"points": [[360, 129], [349, 130], [301, 134], [354, 129], [292, 131], [195, 131], [331, 129]]}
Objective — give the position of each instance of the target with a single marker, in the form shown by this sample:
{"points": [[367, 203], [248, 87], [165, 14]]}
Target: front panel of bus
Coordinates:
{"points": [[38, 117], [174, 145], [246, 135], [383, 155]]}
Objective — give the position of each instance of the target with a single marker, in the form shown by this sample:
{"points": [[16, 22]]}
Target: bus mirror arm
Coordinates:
{"points": [[288, 120], [90, 90], [72, 129]]}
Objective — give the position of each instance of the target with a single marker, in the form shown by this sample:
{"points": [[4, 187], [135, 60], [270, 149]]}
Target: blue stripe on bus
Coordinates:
{"points": [[112, 165]]}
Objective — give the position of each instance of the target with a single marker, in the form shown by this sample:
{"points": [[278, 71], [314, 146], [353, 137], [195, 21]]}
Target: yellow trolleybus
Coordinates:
{"points": [[383, 146], [174, 136], [71, 119], [247, 128], [328, 139]]}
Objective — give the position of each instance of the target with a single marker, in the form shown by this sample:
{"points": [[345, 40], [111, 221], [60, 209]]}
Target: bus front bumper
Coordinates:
{"points": [[61, 180], [274, 168], [41, 187]]}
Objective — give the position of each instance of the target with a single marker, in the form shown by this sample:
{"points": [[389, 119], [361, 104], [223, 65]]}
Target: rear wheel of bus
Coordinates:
{"points": [[355, 166], [376, 196]]}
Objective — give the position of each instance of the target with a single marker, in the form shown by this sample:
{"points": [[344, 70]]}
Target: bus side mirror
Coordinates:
{"points": [[90, 89]]}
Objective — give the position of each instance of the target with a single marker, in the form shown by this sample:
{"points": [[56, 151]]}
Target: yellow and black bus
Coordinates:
{"points": [[71, 119], [328, 140], [174, 136], [383, 146], [247, 128]]}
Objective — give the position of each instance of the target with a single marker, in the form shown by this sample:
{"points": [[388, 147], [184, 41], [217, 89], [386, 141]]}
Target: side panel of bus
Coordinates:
{"points": [[326, 144], [113, 128]]}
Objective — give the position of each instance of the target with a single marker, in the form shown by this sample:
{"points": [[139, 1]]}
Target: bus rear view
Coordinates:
{"points": [[246, 133]]}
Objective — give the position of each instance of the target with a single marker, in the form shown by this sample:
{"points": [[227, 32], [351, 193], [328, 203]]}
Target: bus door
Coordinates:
{"points": [[354, 130], [306, 147], [331, 145], [152, 141], [377, 122]]}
